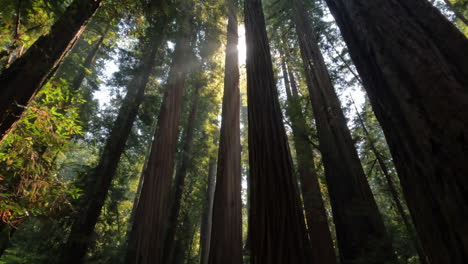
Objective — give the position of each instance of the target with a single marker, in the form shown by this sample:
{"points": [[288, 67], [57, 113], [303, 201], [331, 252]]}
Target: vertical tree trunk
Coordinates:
{"points": [[414, 65], [226, 235], [361, 234], [393, 189], [179, 182], [316, 215], [146, 243], [83, 227], [23, 79], [206, 221], [89, 60], [278, 232]]}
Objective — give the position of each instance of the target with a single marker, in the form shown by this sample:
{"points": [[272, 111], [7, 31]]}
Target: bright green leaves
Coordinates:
{"points": [[31, 154]]}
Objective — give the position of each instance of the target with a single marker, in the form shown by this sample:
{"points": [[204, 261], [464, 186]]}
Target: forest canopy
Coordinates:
{"points": [[233, 131]]}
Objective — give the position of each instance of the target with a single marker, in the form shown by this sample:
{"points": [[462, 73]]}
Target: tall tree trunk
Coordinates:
{"points": [[457, 13], [206, 221], [414, 65], [278, 232], [392, 188], [83, 227], [24, 78], [146, 243], [316, 215], [226, 235], [179, 181], [89, 60], [361, 233]]}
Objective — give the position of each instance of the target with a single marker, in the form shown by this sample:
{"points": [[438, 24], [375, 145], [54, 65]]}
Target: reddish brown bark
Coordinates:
{"points": [[146, 245], [226, 234], [82, 229], [23, 79], [360, 231], [414, 66], [179, 181], [316, 215], [278, 234]]}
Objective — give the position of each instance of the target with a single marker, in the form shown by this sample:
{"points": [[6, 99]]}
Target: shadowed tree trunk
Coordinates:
{"points": [[147, 238], [179, 181], [392, 188], [417, 83], [360, 230], [24, 78], [206, 221], [226, 235], [278, 232], [83, 227], [89, 60], [317, 222], [6, 232]]}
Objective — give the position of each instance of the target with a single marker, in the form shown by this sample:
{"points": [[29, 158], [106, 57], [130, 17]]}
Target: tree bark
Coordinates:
{"points": [[360, 230], [26, 75], [226, 235], [417, 84], [278, 233], [179, 182], [206, 222], [83, 227], [146, 245], [316, 215], [392, 188]]}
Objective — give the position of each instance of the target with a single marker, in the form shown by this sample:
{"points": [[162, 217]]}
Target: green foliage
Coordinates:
{"points": [[31, 155]]}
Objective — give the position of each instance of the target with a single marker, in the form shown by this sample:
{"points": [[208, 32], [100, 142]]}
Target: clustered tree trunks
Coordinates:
{"points": [[392, 188], [26, 76], [82, 229], [147, 236], [360, 230], [226, 234], [276, 222], [316, 215], [179, 181], [417, 84]]}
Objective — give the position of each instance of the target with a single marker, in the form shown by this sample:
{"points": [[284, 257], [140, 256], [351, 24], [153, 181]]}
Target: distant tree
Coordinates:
{"points": [[359, 226], [102, 176], [226, 233], [316, 215], [147, 236]]}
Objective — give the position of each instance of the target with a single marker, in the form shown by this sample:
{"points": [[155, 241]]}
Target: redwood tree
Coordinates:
{"points": [[23, 79], [417, 83], [147, 238], [277, 228], [226, 234], [83, 227], [314, 207], [359, 226]]}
